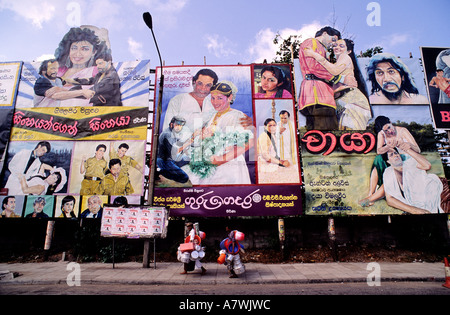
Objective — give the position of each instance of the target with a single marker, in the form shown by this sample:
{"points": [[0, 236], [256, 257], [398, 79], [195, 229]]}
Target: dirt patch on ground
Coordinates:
{"points": [[321, 254], [343, 254]]}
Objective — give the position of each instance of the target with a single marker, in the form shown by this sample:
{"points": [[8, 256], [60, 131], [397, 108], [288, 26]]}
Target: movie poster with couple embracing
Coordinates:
{"points": [[80, 122], [367, 140], [227, 142]]}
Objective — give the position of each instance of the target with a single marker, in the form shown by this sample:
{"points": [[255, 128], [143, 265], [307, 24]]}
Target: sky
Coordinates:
{"points": [[195, 32]]}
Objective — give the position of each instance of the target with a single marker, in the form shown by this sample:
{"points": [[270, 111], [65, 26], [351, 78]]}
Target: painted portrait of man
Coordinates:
{"points": [[391, 81]]}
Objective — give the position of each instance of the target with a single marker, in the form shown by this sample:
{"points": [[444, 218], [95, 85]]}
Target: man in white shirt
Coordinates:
{"points": [[286, 138], [28, 163], [194, 106]]}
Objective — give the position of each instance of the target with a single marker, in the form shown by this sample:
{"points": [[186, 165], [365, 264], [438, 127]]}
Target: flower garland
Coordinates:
{"points": [[216, 144]]}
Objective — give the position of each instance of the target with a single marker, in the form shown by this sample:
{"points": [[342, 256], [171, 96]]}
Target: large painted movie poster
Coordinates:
{"points": [[79, 129], [436, 62], [367, 139], [228, 143], [397, 171]]}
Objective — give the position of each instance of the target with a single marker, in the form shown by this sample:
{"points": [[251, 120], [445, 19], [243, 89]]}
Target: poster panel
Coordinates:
{"points": [[93, 168], [75, 167], [79, 123], [67, 207], [347, 172], [80, 126], [12, 206], [130, 86], [39, 207], [436, 62], [367, 141], [134, 222], [215, 143], [9, 79], [332, 93], [92, 206], [392, 80]]}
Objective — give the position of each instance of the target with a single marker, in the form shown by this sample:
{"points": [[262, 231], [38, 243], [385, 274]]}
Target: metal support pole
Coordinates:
{"points": [[332, 237], [113, 254], [154, 253], [146, 257], [281, 234], [148, 20]]}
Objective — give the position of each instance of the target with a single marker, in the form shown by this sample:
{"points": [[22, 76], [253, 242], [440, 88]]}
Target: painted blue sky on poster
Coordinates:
{"points": [[224, 32]]}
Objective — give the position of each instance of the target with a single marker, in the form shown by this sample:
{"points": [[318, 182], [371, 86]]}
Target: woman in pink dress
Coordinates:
{"points": [[76, 56]]}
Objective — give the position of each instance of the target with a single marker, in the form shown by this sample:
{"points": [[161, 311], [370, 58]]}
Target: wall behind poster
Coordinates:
{"points": [[338, 164], [244, 185], [96, 113]]}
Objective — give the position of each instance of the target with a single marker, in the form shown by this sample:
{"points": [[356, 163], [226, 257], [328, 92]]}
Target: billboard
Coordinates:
{"points": [[367, 140], [228, 143], [355, 136], [79, 129]]}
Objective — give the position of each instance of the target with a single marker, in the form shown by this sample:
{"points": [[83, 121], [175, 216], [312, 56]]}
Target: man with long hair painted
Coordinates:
{"points": [[392, 81]]}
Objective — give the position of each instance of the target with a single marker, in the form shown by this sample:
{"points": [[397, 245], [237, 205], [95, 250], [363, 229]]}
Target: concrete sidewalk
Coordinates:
{"points": [[256, 273]]}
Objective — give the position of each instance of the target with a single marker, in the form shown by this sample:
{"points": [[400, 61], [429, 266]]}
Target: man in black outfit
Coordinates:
{"points": [[106, 83]]}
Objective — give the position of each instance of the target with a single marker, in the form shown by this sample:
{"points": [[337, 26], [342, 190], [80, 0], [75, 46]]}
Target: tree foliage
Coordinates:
{"points": [[371, 52], [287, 48]]}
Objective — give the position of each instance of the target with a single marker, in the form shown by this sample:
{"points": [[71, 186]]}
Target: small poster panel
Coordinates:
{"points": [[134, 222]]}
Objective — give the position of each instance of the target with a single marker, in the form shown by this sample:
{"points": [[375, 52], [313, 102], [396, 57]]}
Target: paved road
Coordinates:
{"points": [[263, 291]]}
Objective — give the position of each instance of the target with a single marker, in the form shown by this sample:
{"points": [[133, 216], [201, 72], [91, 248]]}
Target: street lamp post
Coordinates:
{"points": [[148, 21]]}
